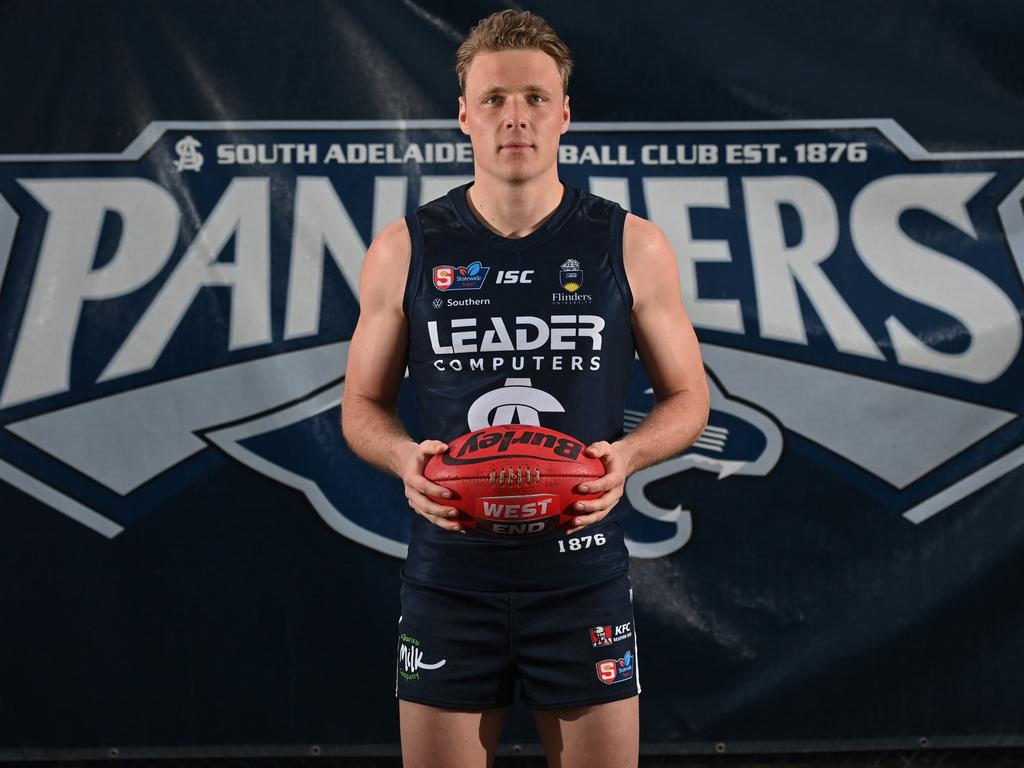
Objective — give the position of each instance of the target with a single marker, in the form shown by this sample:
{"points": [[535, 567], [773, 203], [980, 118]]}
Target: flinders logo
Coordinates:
{"points": [[570, 277]]}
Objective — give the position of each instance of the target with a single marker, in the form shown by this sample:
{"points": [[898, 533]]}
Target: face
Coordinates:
{"points": [[514, 113]]}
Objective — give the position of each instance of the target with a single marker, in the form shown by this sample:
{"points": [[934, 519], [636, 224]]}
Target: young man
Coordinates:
{"points": [[585, 286]]}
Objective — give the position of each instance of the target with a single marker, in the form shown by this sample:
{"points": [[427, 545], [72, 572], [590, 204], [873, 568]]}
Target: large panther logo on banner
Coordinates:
{"points": [[858, 299]]}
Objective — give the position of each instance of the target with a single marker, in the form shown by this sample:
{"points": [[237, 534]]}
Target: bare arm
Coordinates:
{"points": [[670, 354], [667, 347], [376, 366]]}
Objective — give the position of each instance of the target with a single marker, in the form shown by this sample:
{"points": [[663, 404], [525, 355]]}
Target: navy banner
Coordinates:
{"points": [[196, 562]]}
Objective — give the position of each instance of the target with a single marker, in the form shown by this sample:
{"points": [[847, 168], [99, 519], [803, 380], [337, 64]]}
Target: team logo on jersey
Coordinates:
{"points": [[601, 636], [570, 275], [610, 671], [466, 278], [517, 402]]}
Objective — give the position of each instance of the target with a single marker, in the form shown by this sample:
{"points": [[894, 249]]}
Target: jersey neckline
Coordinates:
{"points": [[458, 197]]}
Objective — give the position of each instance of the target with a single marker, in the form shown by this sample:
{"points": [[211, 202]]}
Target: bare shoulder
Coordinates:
{"points": [[643, 239], [648, 258], [382, 281], [392, 245]]}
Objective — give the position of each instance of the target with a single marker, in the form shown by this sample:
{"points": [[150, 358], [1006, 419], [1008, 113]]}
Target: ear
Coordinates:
{"points": [[565, 114], [463, 117]]}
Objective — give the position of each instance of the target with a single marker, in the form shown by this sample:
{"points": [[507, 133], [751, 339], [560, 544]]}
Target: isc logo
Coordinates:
{"points": [[509, 276], [516, 507]]}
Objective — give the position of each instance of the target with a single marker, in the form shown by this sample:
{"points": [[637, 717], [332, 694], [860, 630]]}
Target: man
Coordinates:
{"points": [[581, 284]]}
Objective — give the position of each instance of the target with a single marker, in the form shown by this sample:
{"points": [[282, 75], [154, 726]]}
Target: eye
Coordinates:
{"points": [[538, 98], [491, 100]]}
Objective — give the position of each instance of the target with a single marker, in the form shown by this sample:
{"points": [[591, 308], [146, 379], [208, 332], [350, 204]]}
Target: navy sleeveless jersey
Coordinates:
{"points": [[531, 330]]}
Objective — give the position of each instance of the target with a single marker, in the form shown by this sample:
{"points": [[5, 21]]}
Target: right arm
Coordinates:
{"points": [[377, 358]]}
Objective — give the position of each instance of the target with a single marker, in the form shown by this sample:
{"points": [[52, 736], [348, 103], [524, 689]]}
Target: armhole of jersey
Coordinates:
{"points": [[412, 280], [618, 228]]}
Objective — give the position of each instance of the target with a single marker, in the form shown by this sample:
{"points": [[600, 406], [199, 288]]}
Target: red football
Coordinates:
{"points": [[514, 479]]}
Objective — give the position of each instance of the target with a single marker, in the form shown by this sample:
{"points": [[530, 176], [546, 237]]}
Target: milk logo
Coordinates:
{"points": [[410, 658], [189, 157], [858, 300]]}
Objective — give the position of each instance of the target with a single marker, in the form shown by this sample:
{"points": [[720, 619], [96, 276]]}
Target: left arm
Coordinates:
{"points": [[670, 354]]}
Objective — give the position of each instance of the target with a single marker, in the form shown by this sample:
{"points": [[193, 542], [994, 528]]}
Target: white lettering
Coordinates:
{"points": [[933, 278], [65, 277], [321, 221], [669, 202], [242, 212], [561, 334], [499, 332], [522, 342], [778, 267], [464, 341], [518, 528]]}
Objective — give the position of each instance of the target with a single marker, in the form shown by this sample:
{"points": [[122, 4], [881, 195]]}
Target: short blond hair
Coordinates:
{"points": [[510, 30]]}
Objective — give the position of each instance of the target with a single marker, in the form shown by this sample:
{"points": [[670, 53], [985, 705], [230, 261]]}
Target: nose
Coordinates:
{"points": [[515, 114]]}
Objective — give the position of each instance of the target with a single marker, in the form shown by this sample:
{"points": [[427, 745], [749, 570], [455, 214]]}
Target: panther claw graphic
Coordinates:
{"points": [[739, 440]]}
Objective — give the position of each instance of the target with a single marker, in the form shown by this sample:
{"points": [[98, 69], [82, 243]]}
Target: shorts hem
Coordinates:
{"points": [[590, 701], [474, 706]]}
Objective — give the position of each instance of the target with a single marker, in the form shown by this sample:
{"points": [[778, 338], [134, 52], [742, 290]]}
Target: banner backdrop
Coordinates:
{"points": [[196, 563]]}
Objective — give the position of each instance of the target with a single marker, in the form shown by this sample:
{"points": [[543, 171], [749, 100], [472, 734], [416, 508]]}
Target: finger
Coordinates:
{"points": [[590, 512], [600, 448], [440, 522], [426, 450], [605, 501], [582, 521], [601, 484], [448, 525], [428, 488], [424, 504], [431, 447]]}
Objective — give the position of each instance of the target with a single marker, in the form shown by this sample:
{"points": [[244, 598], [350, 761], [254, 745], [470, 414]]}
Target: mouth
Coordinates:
{"points": [[516, 146]]}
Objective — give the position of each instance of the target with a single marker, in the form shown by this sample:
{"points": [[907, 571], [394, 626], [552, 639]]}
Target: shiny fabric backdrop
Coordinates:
{"points": [[195, 564]]}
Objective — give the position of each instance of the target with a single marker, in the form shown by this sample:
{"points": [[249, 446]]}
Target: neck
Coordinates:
{"points": [[515, 210]]}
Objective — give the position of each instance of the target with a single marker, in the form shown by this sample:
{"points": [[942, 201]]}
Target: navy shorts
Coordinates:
{"points": [[567, 647]]}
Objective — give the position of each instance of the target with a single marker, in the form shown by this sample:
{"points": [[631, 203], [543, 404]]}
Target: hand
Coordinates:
{"points": [[612, 484], [417, 487]]}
